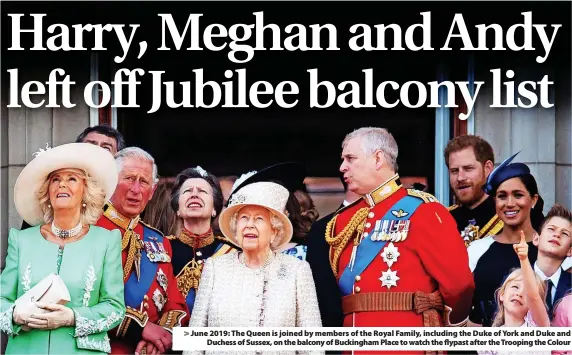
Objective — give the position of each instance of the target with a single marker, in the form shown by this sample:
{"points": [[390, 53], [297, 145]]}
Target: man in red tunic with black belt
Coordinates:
{"points": [[396, 253], [154, 304]]}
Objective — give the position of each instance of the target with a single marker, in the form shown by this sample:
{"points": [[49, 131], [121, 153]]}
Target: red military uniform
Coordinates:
{"points": [[151, 293], [420, 250]]}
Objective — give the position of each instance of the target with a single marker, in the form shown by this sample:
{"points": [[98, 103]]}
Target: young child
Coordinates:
{"points": [[554, 245], [520, 300]]}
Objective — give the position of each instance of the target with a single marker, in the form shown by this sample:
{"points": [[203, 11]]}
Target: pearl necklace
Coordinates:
{"points": [[66, 233], [268, 260]]}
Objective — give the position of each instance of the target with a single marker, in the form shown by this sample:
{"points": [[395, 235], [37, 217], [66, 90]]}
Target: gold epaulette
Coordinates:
{"points": [[426, 197], [150, 227], [171, 237], [450, 208]]}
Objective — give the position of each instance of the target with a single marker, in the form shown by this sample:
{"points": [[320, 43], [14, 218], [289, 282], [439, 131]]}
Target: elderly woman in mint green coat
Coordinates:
{"points": [[61, 192]]}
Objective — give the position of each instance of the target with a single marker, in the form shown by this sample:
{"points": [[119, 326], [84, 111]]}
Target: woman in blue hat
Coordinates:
{"points": [[491, 258]]}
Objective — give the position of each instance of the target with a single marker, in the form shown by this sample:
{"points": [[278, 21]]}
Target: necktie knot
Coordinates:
{"points": [[549, 286]]}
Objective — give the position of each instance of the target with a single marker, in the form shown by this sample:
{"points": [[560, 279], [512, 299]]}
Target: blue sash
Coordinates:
{"points": [[368, 249], [136, 290], [191, 299]]}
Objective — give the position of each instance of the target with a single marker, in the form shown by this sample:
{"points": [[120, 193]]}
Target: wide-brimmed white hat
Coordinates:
{"points": [[269, 195], [96, 161]]}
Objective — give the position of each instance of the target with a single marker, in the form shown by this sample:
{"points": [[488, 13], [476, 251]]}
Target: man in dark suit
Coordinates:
{"points": [[554, 246], [329, 298], [104, 136]]}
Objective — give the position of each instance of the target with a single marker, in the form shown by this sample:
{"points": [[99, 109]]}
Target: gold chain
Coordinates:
{"points": [[339, 242], [125, 240]]}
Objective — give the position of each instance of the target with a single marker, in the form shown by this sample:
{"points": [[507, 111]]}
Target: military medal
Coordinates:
{"points": [[470, 233], [390, 254], [384, 230], [400, 232], [156, 251], [162, 279], [158, 299], [389, 278]]}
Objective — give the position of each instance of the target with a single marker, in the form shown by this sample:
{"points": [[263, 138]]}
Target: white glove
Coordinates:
{"points": [[57, 316]]}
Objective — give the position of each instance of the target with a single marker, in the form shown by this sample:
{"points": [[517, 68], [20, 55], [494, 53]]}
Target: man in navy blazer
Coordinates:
{"points": [[554, 246]]}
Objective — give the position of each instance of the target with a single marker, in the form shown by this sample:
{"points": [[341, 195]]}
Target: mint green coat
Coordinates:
{"points": [[91, 269]]}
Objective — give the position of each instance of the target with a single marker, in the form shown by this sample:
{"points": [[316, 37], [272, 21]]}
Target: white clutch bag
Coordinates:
{"points": [[51, 289]]}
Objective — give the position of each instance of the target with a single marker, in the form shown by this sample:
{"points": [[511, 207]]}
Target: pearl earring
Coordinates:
{"points": [[83, 205], [214, 214], [49, 206]]}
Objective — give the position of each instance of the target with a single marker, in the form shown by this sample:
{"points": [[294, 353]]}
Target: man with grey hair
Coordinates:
{"points": [[396, 253], [154, 303]]}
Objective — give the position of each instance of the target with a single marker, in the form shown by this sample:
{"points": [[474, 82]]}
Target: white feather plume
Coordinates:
{"points": [[41, 151], [241, 179]]}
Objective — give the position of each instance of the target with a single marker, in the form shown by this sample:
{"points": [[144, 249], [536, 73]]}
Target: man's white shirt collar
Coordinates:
{"points": [[554, 278]]}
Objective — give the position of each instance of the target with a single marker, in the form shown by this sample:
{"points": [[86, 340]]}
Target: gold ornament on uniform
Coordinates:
{"points": [[134, 253], [339, 242], [189, 277], [130, 239], [195, 241]]}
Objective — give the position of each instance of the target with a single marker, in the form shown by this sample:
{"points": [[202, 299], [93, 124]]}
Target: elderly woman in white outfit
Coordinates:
{"points": [[256, 287]]}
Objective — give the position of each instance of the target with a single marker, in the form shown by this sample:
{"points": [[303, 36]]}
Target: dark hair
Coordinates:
{"points": [[295, 216], [557, 211], [106, 131], [197, 173], [308, 214], [158, 213], [529, 182], [482, 149]]}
